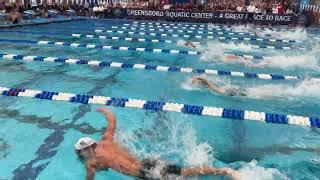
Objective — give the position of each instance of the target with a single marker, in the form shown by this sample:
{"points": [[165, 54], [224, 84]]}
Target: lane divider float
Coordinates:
{"points": [[104, 47], [248, 75], [165, 106]]}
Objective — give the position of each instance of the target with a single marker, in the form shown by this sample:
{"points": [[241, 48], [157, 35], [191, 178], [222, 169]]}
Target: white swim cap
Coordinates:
{"points": [[83, 143]]}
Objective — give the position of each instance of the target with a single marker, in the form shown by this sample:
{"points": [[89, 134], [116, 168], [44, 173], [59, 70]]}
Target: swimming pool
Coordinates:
{"points": [[37, 136]]}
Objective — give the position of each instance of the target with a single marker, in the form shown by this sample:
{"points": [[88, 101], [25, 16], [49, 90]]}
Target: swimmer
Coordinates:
{"points": [[109, 154], [239, 59], [210, 85], [190, 44]]}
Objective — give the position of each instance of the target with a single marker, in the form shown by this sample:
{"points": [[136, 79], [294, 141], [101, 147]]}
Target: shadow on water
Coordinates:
{"points": [[47, 150], [4, 147], [44, 153]]}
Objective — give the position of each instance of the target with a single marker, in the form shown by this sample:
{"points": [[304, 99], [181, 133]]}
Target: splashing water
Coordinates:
{"points": [[289, 62], [215, 51], [306, 88], [174, 141], [252, 171], [181, 42], [298, 34], [242, 28], [171, 141]]}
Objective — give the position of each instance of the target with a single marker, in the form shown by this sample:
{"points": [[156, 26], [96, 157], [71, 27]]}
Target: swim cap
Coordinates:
{"points": [[83, 143]]}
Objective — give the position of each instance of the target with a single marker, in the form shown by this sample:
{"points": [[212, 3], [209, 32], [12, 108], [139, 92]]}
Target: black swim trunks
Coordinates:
{"points": [[154, 169]]}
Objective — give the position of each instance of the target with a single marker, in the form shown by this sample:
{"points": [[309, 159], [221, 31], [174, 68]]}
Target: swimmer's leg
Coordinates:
{"points": [[205, 170]]}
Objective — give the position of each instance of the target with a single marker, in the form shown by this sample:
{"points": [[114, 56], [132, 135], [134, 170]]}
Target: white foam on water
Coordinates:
{"points": [[215, 51], [297, 34], [174, 142], [251, 171], [242, 28], [306, 88], [181, 42], [310, 61]]}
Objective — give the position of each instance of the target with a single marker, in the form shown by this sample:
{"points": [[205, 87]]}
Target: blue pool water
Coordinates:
{"points": [[37, 136]]}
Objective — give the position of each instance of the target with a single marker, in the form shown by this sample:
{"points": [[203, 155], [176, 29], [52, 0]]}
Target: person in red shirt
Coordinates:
{"points": [[281, 9]]}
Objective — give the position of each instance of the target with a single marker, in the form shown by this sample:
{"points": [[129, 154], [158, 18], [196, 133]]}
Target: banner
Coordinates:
{"points": [[199, 16]]}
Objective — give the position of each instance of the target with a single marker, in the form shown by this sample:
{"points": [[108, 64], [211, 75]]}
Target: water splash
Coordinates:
{"points": [[242, 28], [181, 42], [171, 142], [297, 34], [309, 61], [251, 171], [306, 88], [215, 51]]}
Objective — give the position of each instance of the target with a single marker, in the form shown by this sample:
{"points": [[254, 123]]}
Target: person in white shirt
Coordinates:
{"points": [[251, 8], [257, 10], [289, 11], [275, 9], [239, 8]]}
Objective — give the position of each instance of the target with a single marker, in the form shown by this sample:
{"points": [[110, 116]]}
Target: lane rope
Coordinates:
{"points": [[247, 75], [104, 47], [164, 106]]}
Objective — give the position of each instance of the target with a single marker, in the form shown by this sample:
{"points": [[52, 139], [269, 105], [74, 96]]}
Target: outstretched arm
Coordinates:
{"points": [[90, 170], [109, 133]]}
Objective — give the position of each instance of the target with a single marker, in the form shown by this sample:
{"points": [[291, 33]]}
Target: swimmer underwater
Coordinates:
{"points": [[109, 154]]}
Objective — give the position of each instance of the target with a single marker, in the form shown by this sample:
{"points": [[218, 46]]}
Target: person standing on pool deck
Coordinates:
{"points": [[109, 154], [210, 85]]}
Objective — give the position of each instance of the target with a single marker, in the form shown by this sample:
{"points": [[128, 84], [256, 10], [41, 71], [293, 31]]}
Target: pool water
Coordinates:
{"points": [[37, 136]]}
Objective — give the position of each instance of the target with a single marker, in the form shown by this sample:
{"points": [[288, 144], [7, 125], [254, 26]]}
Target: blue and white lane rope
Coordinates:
{"points": [[125, 48], [104, 47], [127, 32], [185, 26], [96, 36], [164, 106], [128, 38], [166, 28], [147, 67], [260, 39], [225, 37], [205, 25], [182, 31]]}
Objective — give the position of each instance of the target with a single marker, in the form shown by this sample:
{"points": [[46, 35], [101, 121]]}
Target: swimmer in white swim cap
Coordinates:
{"points": [[108, 153]]}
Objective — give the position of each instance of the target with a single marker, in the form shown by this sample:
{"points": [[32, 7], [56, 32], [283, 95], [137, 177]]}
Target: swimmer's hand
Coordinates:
{"points": [[234, 174], [103, 109]]}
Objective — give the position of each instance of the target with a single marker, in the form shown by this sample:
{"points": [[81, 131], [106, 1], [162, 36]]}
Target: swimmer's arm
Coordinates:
{"points": [[90, 170], [215, 88], [109, 133]]}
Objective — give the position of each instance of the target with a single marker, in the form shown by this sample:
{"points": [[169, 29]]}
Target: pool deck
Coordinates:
{"points": [[39, 21]]}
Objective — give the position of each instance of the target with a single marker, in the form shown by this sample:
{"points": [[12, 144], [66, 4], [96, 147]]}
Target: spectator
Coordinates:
{"points": [[251, 9], [257, 10], [289, 11], [239, 8], [281, 9]]}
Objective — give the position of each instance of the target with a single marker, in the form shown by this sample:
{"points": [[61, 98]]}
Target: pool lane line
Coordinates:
{"points": [[104, 47], [205, 25], [123, 48], [137, 32], [193, 29], [155, 40], [182, 26], [224, 35], [183, 31], [96, 36], [260, 39], [164, 106], [216, 72], [176, 28]]}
